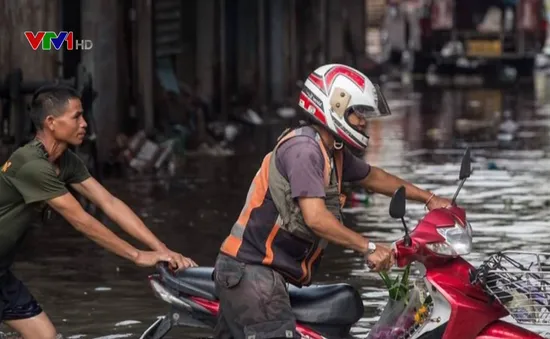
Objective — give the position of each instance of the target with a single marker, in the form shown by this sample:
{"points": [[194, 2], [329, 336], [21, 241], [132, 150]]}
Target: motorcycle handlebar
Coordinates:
{"points": [[163, 268]]}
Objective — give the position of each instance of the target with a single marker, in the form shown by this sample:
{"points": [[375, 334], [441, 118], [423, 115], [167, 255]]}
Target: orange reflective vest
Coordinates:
{"points": [[270, 229]]}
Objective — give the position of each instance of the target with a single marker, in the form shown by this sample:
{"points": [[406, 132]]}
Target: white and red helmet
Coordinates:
{"points": [[332, 92]]}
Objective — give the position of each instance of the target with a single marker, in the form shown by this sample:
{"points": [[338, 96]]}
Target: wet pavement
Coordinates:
{"points": [[90, 293]]}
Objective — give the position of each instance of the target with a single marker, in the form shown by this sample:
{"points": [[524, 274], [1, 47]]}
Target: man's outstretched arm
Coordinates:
{"points": [[380, 181], [118, 212], [70, 209], [123, 216]]}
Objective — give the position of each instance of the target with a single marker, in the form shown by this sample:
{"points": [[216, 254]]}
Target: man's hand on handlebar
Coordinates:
{"points": [[382, 259], [175, 260], [178, 261], [438, 202]]}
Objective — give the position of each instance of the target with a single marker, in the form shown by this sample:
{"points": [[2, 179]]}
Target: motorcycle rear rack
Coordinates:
{"points": [[520, 281]]}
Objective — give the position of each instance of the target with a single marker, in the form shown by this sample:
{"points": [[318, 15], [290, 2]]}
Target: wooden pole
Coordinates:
{"points": [[262, 54], [293, 47], [206, 48], [100, 24], [223, 61], [145, 61]]}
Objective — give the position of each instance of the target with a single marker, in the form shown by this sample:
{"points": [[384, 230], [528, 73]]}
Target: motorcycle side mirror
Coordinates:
{"points": [[465, 166], [465, 172], [397, 210], [398, 203]]}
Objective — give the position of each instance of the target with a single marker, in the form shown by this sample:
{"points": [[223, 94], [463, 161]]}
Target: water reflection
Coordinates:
{"points": [[91, 293], [506, 198]]}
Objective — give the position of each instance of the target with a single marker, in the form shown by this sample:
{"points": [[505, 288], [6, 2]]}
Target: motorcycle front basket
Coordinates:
{"points": [[520, 281]]}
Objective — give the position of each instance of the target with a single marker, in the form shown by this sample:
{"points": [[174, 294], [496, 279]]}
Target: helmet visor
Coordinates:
{"points": [[380, 108], [363, 112]]}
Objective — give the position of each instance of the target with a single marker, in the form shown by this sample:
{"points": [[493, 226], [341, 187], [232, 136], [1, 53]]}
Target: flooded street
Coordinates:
{"points": [[90, 293]]}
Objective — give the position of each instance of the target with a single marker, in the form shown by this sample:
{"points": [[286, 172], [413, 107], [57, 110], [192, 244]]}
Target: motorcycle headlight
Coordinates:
{"points": [[458, 240]]}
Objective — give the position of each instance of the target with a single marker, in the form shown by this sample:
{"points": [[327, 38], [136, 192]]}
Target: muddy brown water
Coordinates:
{"points": [[91, 293]]}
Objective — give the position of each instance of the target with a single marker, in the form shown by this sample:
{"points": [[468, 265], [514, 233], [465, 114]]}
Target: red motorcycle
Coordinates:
{"points": [[464, 302]]}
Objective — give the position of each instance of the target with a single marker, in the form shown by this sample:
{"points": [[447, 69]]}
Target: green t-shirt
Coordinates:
{"points": [[27, 181]]}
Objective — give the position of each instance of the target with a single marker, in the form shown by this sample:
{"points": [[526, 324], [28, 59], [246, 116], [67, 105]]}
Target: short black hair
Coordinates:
{"points": [[50, 100]]}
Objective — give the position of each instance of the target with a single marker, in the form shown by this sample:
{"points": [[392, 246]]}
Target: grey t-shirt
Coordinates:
{"points": [[301, 162]]}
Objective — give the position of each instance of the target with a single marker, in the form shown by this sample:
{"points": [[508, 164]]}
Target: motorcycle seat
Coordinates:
{"points": [[196, 281], [335, 304]]}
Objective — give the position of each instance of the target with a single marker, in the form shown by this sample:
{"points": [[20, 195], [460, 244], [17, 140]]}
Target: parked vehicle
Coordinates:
{"points": [[471, 33]]}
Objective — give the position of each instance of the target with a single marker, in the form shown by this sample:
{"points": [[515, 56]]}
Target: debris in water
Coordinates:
{"points": [[127, 323], [143, 154], [492, 166], [252, 117], [101, 289], [230, 132], [286, 112], [361, 197], [215, 150]]}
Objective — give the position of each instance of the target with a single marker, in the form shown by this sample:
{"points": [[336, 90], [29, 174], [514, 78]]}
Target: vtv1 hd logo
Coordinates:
{"points": [[48, 39]]}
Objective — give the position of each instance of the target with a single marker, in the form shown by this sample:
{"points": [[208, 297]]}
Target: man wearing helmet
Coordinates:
{"points": [[293, 207]]}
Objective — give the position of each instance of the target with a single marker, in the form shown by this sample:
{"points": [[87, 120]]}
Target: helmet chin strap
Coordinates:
{"points": [[338, 145]]}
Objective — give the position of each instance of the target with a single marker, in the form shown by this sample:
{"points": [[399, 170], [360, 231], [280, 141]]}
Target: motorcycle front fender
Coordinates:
{"points": [[503, 330]]}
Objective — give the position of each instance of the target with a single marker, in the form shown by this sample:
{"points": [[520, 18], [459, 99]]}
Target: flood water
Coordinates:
{"points": [[90, 293]]}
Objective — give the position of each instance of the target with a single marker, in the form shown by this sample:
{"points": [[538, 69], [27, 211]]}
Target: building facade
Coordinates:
{"points": [[218, 48]]}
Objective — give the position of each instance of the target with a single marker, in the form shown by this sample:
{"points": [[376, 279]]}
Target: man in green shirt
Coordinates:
{"points": [[36, 175]]}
